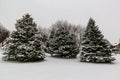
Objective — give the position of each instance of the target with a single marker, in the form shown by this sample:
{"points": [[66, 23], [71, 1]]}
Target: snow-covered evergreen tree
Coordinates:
{"points": [[44, 32], [24, 44], [63, 43], [94, 48]]}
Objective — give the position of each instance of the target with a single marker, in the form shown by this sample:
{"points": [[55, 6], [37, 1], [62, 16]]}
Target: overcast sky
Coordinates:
{"points": [[46, 12]]}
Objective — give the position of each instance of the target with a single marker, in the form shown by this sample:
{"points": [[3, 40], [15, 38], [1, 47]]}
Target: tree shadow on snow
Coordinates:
{"points": [[99, 63], [20, 62], [61, 57]]}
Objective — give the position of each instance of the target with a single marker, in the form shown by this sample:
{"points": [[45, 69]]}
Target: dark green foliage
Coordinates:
{"points": [[94, 47], [63, 43], [24, 44]]}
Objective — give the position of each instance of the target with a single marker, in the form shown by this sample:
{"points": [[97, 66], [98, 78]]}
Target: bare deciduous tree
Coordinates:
{"points": [[4, 33]]}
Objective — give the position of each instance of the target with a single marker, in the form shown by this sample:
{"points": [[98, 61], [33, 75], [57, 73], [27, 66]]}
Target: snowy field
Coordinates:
{"points": [[59, 69]]}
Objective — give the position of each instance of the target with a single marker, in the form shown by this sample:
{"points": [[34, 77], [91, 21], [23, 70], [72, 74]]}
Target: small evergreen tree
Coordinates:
{"points": [[63, 43], [50, 41], [44, 32], [94, 48], [24, 44]]}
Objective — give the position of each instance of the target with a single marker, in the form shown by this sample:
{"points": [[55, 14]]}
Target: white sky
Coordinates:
{"points": [[45, 12]]}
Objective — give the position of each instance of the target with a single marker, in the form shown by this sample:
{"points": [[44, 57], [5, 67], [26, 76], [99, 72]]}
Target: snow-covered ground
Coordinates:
{"points": [[59, 69]]}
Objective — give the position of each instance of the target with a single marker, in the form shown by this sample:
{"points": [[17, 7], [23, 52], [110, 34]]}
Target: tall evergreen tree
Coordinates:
{"points": [[63, 43], [24, 44], [94, 48]]}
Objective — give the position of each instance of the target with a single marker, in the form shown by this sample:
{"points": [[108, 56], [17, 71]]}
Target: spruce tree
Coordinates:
{"points": [[50, 41], [63, 43], [94, 48], [24, 44]]}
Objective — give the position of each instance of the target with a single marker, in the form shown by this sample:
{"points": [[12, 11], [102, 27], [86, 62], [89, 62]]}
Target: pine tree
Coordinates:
{"points": [[94, 48], [63, 43], [24, 44], [50, 41]]}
